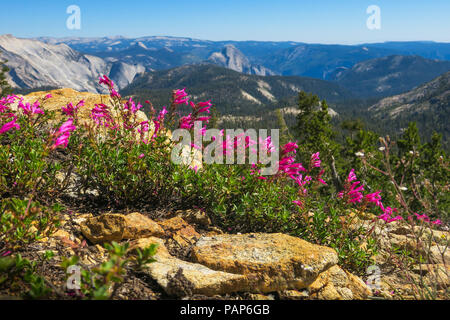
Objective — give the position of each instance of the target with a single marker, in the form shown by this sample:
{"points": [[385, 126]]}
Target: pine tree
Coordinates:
{"points": [[315, 132], [410, 140], [353, 126]]}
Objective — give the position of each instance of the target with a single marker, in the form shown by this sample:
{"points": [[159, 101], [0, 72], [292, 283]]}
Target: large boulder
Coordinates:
{"points": [[280, 261], [181, 278]]}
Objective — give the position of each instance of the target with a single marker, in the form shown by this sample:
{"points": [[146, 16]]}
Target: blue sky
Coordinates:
{"points": [[313, 21]]}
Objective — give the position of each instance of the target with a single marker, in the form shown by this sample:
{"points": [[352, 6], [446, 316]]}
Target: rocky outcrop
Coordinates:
{"points": [[254, 264], [281, 261], [37, 64], [182, 278], [61, 97], [180, 232], [115, 227], [232, 58]]}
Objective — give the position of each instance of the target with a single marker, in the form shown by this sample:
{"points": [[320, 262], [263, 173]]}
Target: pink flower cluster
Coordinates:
{"points": [[352, 190], [61, 136], [352, 193], [424, 217], [187, 122], [110, 84], [30, 109], [10, 125], [7, 115], [159, 122], [71, 110], [181, 97], [101, 115], [296, 171], [131, 106]]}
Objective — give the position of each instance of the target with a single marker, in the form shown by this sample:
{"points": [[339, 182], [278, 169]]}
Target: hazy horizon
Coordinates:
{"points": [[225, 40]]}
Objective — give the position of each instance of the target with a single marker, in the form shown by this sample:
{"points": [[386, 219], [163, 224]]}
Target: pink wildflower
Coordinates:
{"points": [[157, 126], [162, 114], [10, 125], [70, 110], [289, 167], [289, 147], [144, 127], [315, 160], [5, 101], [203, 119], [63, 134], [131, 106], [29, 109], [352, 192], [204, 107], [181, 97], [298, 203], [375, 198], [100, 114], [319, 177], [186, 122], [351, 176], [6, 253], [107, 81], [387, 215], [114, 94], [423, 217]]}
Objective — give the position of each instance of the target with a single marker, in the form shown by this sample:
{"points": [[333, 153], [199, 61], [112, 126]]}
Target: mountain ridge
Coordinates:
{"points": [[389, 75], [228, 89], [36, 64]]}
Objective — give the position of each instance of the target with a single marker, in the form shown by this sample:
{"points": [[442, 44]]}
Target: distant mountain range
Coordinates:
{"points": [[428, 105], [390, 75], [423, 99], [282, 58], [367, 70]]}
